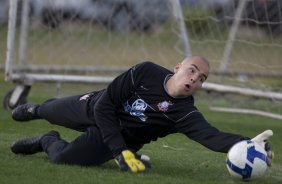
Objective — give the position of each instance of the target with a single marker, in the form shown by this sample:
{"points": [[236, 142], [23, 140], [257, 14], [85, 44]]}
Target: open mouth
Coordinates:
{"points": [[187, 86]]}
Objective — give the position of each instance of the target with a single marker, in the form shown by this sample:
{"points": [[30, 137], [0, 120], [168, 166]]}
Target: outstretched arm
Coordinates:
{"points": [[198, 129]]}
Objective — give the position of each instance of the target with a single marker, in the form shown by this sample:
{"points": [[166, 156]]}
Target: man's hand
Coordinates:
{"points": [[262, 140], [129, 161]]}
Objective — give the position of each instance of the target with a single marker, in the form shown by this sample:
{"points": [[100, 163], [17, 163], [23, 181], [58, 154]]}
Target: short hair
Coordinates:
{"points": [[196, 57]]}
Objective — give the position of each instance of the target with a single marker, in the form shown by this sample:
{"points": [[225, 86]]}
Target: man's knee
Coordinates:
{"points": [[57, 159]]}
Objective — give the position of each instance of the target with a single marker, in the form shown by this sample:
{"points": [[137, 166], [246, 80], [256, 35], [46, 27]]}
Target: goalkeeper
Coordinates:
{"points": [[139, 106]]}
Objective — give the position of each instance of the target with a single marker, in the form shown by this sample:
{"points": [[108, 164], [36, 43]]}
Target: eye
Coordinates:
{"points": [[202, 79], [192, 70]]}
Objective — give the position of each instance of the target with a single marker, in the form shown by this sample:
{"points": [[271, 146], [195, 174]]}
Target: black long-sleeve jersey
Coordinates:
{"points": [[136, 109]]}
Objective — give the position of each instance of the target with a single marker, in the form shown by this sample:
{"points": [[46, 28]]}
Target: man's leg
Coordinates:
{"points": [[31, 145], [86, 150], [71, 112]]}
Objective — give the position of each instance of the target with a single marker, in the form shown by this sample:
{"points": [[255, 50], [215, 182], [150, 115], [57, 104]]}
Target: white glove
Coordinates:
{"points": [[262, 140], [145, 160]]}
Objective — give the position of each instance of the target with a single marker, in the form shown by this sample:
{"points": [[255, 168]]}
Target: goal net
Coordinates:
{"points": [[93, 41], [89, 40], [99, 36]]}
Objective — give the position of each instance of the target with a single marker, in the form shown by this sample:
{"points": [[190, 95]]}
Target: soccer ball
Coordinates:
{"points": [[246, 160]]}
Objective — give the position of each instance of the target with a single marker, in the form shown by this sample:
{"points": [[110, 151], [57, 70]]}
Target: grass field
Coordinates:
{"points": [[174, 159]]}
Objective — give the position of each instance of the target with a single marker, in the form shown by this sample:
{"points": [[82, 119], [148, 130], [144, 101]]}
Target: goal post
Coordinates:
{"points": [[232, 35]]}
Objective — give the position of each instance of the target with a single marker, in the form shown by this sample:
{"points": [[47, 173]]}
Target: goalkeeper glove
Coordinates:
{"points": [[129, 161], [262, 140]]}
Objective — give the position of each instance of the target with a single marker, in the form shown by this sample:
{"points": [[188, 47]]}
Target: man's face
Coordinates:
{"points": [[189, 77]]}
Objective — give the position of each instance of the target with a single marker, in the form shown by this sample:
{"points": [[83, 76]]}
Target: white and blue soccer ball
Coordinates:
{"points": [[246, 160]]}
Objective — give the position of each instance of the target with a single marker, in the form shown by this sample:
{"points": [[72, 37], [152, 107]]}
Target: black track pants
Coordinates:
{"points": [[86, 150], [72, 112]]}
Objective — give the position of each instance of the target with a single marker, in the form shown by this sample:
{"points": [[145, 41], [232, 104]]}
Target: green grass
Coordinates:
{"points": [[174, 159]]}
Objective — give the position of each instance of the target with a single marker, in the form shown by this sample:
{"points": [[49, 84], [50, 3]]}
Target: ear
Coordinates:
{"points": [[176, 68]]}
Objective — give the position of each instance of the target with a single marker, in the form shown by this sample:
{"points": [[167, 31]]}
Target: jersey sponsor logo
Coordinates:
{"points": [[84, 97], [137, 109], [163, 106]]}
